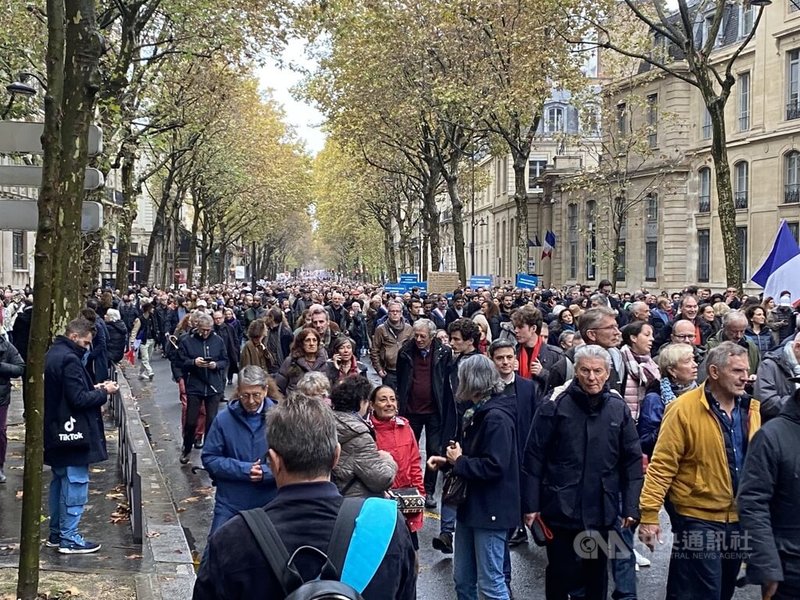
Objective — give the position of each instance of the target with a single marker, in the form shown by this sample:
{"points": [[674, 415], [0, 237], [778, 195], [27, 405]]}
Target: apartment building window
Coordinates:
{"points": [[536, 169], [622, 118], [18, 251], [652, 208], [741, 183], [591, 240], [794, 227], [703, 254], [650, 260], [652, 120], [794, 5], [554, 119], [621, 250], [741, 240], [791, 193], [704, 192], [707, 127], [793, 89], [591, 114], [572, 239], [745, 20], [744, 101], [651, 237]]}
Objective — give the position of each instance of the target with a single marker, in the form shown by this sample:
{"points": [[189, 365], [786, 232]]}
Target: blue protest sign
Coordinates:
{"points": [[527, 281], [483, 281], [396, 288], [409, 277]]}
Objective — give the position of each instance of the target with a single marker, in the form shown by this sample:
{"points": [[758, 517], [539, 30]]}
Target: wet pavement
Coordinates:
{"points": [[104, 521]]}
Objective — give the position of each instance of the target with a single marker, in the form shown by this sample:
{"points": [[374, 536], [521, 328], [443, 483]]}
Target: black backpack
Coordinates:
{"points": [[328, 585]]}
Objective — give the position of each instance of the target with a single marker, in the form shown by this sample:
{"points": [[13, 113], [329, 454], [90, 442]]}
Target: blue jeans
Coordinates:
{"points": [[448, 519], [478, 563], [69, 492], [623, 568]]}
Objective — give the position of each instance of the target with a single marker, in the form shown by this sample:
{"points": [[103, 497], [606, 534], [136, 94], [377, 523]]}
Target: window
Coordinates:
{"points": [[794, 5], [650, 260], [652, 208], [745, 20], [621, 250], [793, 88], [744, 101], [740, 182], [622, 118], [707, 128], [704, 192], [791, 193], [536, 169], [591, 240], [18, 251], [591, 114], [572, 239], [794, 227], [741, 240], [554, 119], [703, 254], [652, 120]]}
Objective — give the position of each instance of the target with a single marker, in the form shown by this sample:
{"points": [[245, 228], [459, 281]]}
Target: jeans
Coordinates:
{"points": [[448, 518], [69, 492], [478, 563], [433, 432], [193, 404], [567, 572], [623, 568], [3, 434], [145, 350], [705, 559]]}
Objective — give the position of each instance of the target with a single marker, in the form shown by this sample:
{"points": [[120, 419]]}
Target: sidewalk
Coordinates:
{"points": [[104, 521]]}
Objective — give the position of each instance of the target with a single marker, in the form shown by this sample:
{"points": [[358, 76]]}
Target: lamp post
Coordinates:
{"points": [[20, 88], [473, 223]]}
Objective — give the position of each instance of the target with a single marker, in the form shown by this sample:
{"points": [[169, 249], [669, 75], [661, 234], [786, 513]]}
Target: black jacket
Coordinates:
{"points": [[234, 567], [22, 331], [232, 349], [405, 373], [559, 371], [129, 314], [117, 340], [490, 464], [66, 380], [580, 459], [769, 502], [11, 366], [200, 381]]}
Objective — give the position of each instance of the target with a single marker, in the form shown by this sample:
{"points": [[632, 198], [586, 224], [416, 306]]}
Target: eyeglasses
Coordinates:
{"points": [[252, 396], [683, 336], [612, 327]]}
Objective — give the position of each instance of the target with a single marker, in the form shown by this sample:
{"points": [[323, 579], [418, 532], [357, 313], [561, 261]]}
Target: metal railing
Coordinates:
{"points": [[704, 204], [791, 193], [793, 110], [740, 200]]}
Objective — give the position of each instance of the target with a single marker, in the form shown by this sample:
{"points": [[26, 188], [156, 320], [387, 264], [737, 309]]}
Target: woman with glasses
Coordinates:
{"points": [[235, 452]]}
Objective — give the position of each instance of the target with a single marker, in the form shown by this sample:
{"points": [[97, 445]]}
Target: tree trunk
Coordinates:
{"points": [[521, 203], [388, 251], [430, 232], [73, 53], [458, 227], [90, 261], [127, 217]]}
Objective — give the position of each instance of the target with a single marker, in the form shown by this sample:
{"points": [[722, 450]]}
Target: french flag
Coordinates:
{"points": [[781, 270], [549, 244]]}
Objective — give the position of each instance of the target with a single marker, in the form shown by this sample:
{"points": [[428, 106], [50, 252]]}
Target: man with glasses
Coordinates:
{"points": [[734, 325], [204, 362]]}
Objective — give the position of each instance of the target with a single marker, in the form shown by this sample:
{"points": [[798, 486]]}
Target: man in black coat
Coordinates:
{"points": [[769, 504], [22, 328], [11, 366], [74, 436], [204, 361], [582, 461], [303, 448]]}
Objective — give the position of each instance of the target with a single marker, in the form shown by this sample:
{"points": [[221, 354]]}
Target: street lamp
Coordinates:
{"points": [[20, 88], [762, 3]]}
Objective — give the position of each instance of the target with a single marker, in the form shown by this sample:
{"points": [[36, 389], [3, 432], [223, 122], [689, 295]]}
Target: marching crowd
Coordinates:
{"points": [[573, 416]]}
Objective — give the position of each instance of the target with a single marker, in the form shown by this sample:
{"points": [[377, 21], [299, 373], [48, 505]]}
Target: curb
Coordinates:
{"points": [[163, 540]]}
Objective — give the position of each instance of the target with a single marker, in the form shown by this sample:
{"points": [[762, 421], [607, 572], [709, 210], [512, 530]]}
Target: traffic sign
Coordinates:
{"points": [[28, 176], [26, 138], [23, 215]]}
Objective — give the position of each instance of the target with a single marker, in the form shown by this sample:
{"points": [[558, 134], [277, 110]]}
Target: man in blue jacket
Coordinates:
{"points": [[204, 362], [74, 436], [235, 452]]}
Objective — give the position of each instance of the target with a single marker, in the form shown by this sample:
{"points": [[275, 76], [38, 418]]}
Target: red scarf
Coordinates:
{"points": [[527, 356]]}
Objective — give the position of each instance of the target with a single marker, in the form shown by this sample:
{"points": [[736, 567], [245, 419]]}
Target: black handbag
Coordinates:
{"points": [[409, 500], [70, 429], [454, 489], [541, 532]]}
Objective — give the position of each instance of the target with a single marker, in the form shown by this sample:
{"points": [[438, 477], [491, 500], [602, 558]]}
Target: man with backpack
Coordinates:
{"points": [[248, 557]]}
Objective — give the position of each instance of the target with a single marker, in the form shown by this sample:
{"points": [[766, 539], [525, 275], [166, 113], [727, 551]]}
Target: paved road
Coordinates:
{"points": [[193, 496]]}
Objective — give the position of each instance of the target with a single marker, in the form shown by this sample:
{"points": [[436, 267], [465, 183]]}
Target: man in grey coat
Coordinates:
{"points": [[773, 385]]}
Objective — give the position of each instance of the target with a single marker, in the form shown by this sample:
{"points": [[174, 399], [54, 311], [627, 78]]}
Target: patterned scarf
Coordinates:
{"points": [[670, 391], [469, 415], [640, 366]]}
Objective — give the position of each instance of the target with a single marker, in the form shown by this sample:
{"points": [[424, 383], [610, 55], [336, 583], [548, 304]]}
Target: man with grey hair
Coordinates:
{"points": [[303, 449], [734, 324], [422, 366], [582, 473], [697, 463], [640, 312], [777, 379], [389, 337], [235, 451]]}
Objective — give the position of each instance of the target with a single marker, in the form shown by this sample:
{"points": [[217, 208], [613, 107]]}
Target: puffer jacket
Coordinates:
{"points": [[11, 366], [293, 369], [773, 388], [361, 471], [117, 339]]}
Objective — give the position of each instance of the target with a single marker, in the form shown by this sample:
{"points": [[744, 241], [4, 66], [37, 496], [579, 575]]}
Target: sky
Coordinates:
{"points": [[304, 118]]}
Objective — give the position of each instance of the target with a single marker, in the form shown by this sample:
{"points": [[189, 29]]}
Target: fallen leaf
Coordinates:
{"points": [[97, 470], [133, 556], [181, 509], [19, 494], [192, 499]]}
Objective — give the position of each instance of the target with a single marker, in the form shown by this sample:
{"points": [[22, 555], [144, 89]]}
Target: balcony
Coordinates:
{"points": [[704, 204], [740, 200], [791, 193], [793, 110]]}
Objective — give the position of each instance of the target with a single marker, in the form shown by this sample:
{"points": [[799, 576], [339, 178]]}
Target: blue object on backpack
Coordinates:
{"points": [[375, 527]]}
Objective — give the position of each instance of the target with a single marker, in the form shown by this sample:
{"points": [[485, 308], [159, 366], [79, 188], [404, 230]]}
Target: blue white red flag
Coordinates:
{"points": [[549, 244], [780, 272]]}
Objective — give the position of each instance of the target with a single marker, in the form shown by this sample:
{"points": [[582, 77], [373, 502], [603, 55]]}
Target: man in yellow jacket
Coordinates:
{"points": [[695, 472]]}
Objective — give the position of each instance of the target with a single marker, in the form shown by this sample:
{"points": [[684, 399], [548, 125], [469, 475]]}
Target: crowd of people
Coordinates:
{"points": [[570, 414]]}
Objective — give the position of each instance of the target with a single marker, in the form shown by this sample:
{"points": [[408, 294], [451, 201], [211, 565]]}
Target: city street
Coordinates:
{"points": [[193, 496]]}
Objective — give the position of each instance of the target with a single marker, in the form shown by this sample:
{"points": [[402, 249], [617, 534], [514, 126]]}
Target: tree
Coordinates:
{"points": [[677, 50]]}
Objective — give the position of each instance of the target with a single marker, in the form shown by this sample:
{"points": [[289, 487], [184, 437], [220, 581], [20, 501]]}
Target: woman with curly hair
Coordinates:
{"points": [[307, 355], [255, 352]]}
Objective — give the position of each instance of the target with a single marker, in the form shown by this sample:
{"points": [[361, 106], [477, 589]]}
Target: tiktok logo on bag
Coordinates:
{"points": [[69, 436]]}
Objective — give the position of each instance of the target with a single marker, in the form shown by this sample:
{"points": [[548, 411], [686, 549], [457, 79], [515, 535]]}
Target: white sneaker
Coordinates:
{"points": [[641, 561]]}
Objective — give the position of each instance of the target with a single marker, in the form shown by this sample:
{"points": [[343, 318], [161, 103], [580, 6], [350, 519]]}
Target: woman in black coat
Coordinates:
{"points": [[117, 336], [490, 466]]}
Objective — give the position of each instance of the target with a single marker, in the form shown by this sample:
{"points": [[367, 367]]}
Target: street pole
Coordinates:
{"points": [[253, 268], [472, 220]]}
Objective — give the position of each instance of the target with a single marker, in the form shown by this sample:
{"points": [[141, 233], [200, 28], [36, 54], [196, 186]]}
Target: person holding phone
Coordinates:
{"points": [[343, 363]]}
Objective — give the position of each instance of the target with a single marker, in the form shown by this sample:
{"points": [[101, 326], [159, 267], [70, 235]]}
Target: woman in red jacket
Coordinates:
{"points": [[394, 435]]}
